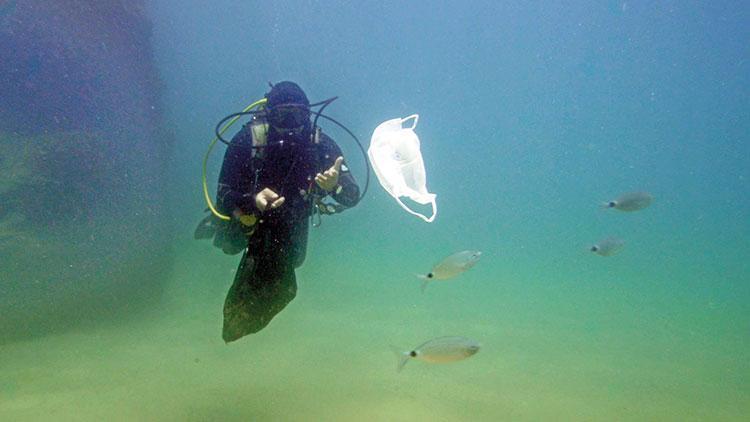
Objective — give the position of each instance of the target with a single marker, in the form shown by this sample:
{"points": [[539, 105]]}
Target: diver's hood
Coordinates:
{"points": [[286, 92]]}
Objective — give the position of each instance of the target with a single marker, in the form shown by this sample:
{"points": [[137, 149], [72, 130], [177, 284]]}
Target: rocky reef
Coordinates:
{"points": [[84, 232]]}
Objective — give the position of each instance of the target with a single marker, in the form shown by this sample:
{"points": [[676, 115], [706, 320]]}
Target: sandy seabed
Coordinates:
{"points": [[326, 359]]}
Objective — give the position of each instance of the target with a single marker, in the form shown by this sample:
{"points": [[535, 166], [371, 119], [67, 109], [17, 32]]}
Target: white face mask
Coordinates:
{"points": [[395, 157]]}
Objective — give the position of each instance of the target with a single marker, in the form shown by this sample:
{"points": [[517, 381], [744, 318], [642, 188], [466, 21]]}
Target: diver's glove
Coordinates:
{"points": [[268, 200], [329, 179]]}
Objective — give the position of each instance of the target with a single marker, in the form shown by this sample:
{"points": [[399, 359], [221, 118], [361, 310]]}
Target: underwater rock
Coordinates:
{"points": [[83, 156]]}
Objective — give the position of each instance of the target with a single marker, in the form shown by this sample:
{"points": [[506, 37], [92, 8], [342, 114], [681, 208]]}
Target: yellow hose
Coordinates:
{"points": [[206, 195]]}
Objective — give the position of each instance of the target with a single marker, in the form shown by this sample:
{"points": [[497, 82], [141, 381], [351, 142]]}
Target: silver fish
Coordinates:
{"points": [[631, 201], [451, 266], [439, 350], [608, 246]]}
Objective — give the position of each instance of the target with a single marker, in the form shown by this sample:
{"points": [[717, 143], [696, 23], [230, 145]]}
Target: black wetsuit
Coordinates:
{"points": [[265, 281]]}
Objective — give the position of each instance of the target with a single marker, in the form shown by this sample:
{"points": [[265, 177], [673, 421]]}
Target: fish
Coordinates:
{"points": [[608, 246], [631, 201], [451, 266], [438, 350]]}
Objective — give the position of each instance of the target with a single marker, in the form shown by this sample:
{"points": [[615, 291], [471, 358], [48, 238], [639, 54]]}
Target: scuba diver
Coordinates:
{"points": [[276, 173]]}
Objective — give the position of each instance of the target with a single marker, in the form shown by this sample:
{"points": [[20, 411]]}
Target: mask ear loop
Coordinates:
{"points": [[413, 116], [422, 216]]}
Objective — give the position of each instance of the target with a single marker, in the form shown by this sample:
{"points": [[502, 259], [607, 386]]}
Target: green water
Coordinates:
{"points": [[563, 344], [531, 115]]}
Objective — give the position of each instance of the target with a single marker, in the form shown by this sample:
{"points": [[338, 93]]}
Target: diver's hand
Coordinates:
{"points": [[329, 179], [268, 200]]}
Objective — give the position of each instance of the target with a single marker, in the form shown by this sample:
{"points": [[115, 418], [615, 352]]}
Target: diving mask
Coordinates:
{"points": [[289, 116]]}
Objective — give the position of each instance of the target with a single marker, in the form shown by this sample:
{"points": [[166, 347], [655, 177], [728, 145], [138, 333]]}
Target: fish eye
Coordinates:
{"points": [[594, 248], [429, 275], [413, 353], [612, 204]]}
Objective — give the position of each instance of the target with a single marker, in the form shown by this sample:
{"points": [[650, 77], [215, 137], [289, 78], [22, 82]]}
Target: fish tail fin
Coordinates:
{"points": [[401, 357]]}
